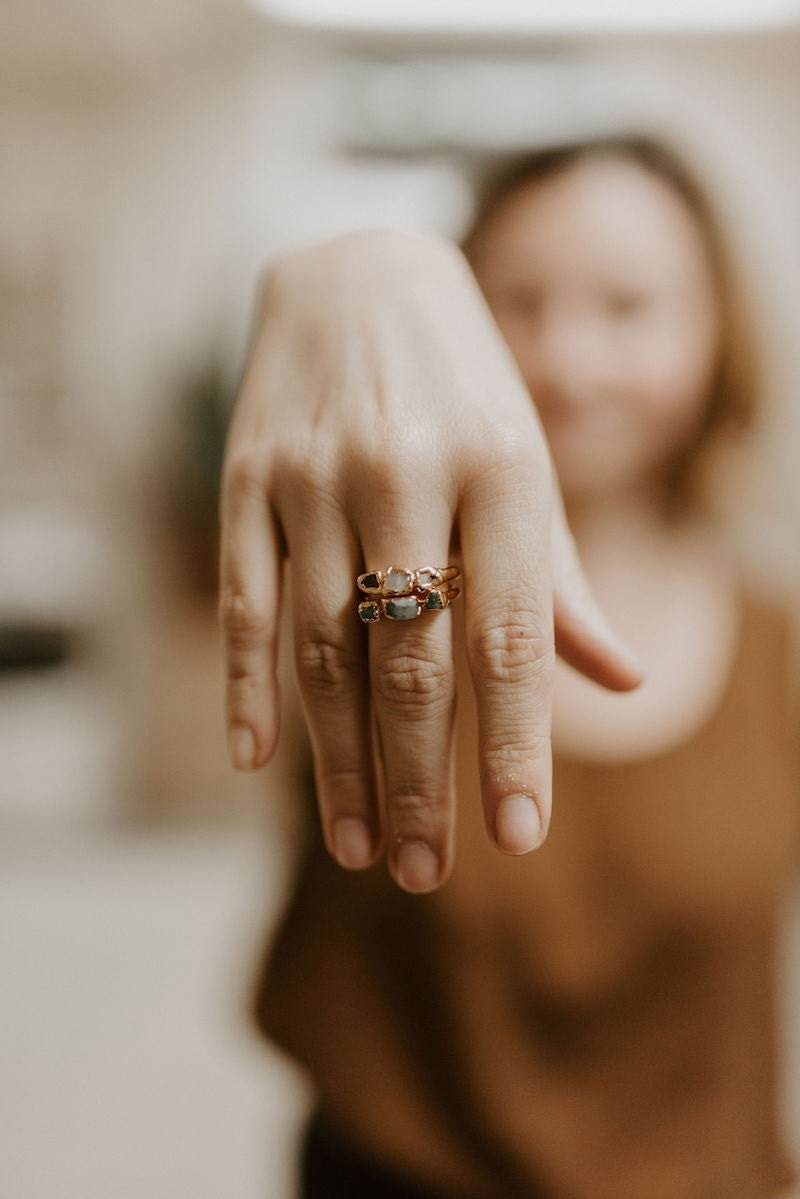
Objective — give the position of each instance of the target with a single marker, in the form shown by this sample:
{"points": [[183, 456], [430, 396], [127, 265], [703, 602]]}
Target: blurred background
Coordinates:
{"points": [[155, 156]]}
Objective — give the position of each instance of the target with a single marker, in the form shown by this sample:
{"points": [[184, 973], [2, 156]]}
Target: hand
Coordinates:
{"points": [[382, 420]]}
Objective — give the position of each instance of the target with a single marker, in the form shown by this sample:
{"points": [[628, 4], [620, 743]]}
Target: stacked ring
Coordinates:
{"points": [[402, 594]]}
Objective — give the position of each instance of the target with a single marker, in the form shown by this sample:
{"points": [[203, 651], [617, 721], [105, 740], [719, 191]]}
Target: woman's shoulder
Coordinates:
{"points": [[771, 608], [771, 594]]}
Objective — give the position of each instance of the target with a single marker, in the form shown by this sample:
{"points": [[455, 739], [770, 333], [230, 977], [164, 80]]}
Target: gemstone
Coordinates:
{"points": [[403, 607], [397, 581], [427, 577], [370, 581], [434, 600], [369, 611]]}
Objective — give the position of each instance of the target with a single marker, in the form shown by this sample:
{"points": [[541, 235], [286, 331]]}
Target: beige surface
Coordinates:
{"points": [[127, 1067]]}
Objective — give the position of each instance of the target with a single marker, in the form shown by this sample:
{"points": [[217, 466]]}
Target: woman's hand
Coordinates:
{"points": [[382, 421]]}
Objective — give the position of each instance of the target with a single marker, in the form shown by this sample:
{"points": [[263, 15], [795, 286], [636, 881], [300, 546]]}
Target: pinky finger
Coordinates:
{"points": [[249, 605]]}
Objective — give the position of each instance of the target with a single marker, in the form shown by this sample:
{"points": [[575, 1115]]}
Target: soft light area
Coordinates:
{"points": [[523, 16]]}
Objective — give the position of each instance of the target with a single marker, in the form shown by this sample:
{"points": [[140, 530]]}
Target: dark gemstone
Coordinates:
{"points": [[435, 600], [370, 582], [369, 611]]}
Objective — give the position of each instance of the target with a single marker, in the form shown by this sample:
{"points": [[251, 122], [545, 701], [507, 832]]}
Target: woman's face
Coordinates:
{"points": [[599, 280]]}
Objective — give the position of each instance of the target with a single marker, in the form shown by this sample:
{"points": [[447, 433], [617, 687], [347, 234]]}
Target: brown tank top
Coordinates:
{"points": [[595, 1020]]}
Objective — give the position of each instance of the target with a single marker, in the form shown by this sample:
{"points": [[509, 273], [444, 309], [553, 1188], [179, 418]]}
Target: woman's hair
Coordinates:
{"points": [[732, 403]]}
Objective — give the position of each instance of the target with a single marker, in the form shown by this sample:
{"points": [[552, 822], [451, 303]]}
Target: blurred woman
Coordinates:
{"points": [[596, 1020]]}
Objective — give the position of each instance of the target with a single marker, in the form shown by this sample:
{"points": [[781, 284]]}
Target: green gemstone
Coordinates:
{"points": [[369, 611], [402, 607], [434, 600]]}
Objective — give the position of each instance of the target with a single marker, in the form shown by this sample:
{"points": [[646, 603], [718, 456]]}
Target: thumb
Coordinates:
{"points": [[583, 636]]}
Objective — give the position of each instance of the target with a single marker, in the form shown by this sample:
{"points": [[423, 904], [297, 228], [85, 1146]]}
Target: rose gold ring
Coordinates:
{"points": [[402, 594]]}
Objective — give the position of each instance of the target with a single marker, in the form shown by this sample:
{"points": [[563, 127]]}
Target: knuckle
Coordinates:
{"points": [[325, 666], [245, 695], [389, 461], [246, 679], [338, 781], [412, 810], [241, 616], [412, 682], [245, 471], [508, 757], [512, 651], [503, 450], [398, 460], [305, 473]]}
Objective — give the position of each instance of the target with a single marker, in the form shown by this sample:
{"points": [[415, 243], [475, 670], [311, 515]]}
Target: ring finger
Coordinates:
{"points": [[413, 695]]}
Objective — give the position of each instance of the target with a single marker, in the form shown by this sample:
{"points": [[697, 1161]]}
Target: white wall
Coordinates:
{"points": [[190, 186]]}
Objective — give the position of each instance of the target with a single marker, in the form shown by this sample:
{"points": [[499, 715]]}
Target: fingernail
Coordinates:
{"points": [[518, 825], [242, 747], [352, 843], [417, 866]]}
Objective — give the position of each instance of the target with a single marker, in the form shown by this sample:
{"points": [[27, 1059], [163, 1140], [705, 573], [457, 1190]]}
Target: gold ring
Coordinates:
{"points": [[402, 594]]}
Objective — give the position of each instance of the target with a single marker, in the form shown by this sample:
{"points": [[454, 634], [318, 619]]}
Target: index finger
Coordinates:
{"points": [[505, 523]]}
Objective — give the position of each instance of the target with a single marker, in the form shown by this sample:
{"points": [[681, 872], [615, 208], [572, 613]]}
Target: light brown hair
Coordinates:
{"points": [[733, 397]]}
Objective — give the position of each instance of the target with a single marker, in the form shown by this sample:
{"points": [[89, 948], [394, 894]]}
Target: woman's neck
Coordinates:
{"points": [[625, 527]]}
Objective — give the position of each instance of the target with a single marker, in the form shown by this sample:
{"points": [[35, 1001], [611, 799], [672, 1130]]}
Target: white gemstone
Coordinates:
{"points": [[428, 576], [397, 581]]}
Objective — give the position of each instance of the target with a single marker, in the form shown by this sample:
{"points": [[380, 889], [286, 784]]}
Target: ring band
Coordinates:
{"points": [[402, 594]]}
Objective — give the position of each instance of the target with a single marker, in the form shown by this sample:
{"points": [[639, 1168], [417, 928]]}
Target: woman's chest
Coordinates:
{"points": [[697, 836]]}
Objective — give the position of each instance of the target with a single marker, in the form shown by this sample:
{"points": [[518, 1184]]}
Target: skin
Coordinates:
{"points": [[382, 420]]}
